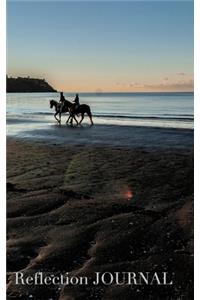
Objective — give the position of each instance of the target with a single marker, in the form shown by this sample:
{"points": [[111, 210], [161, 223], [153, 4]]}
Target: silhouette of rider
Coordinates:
{"points": [[76, 102], [62, 98], [62, 101]]}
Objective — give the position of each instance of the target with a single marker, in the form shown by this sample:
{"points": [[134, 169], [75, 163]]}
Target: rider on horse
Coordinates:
{"points": [[62, 101], [74, 109], [76, 102], [75, 105]]}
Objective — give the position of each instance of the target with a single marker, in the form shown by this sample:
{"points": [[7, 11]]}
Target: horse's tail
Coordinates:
{"points": [[90, 114]]}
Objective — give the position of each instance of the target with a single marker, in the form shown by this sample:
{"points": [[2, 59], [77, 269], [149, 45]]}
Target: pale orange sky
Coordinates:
{"points": [[179, 81]]}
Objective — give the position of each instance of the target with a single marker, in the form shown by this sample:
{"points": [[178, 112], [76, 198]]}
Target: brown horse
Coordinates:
{"points": [[68, 106], [58, 110]]}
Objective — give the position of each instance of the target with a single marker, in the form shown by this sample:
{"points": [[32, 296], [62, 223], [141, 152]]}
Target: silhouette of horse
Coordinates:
{"points": [[65, 109], [68, 106]]}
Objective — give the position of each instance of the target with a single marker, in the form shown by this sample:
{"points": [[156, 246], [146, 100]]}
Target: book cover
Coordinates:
{"points": [[100, 150]]}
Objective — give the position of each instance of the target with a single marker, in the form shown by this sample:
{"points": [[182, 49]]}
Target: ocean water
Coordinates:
{"points": [[172, 110]]}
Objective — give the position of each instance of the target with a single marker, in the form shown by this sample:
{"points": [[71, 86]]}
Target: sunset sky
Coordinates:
{"points": [[102, 46]]}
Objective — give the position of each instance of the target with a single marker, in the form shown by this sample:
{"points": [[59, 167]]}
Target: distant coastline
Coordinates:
{"points": [[27, 85]]}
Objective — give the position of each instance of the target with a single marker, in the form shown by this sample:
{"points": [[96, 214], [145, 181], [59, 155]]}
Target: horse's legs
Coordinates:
{"points": [[56, 118], [72, 117], [75, 119], [82, 115], [91, 120], [90, 117], [68, 119]]}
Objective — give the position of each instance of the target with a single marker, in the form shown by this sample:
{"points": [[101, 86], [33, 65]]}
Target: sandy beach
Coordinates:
{"points": [[95, 203]]}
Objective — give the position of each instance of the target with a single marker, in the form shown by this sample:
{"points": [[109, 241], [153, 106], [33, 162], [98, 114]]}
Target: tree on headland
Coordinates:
{"points": [[27, 84]]}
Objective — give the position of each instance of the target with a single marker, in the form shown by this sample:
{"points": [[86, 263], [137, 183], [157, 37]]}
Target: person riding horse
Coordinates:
{"points": [[75, 106], [62, 101], [74, 109], [76, 101]]}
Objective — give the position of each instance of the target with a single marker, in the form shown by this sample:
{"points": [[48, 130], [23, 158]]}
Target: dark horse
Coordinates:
{"points": [[69, 107]]}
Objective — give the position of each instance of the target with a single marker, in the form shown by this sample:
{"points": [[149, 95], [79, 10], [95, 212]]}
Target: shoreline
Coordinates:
{"points": [[128, 136]]}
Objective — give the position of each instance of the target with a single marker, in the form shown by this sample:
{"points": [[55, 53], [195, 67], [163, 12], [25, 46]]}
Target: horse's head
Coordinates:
{"points": [[52, 103]]}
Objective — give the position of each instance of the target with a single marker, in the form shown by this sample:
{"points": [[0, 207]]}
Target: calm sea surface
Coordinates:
{"points": [[175, 110]]}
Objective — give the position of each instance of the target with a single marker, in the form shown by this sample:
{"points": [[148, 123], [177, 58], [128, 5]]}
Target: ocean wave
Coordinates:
{"points": [[185, 117], [191, 118]]}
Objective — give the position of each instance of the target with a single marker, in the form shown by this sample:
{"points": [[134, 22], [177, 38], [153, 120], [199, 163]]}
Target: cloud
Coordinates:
{"points": [[122, 84], [181, 73], [127, 84], [180, 85], [134, 84], [165, 85]]}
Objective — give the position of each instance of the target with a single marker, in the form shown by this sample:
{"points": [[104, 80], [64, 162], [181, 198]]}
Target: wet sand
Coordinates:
{"points": [[114, 135], [101, 206]]}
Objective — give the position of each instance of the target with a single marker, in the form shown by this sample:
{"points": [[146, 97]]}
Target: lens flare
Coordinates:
{"points": [[128, 194]]}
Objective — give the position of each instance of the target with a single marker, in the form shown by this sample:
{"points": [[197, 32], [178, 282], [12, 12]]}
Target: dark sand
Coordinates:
{"points": [[87, 208]]}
